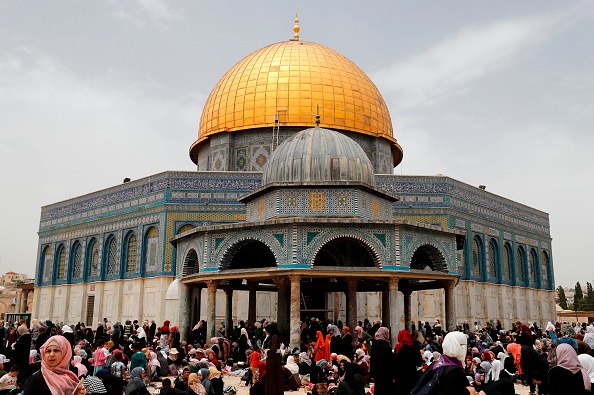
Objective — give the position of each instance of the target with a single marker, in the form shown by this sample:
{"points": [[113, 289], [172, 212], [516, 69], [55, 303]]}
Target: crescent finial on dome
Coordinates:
{"points": [[296, 28]]}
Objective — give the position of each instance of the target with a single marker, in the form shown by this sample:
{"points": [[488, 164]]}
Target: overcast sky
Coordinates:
{"points": [[494, 93]]}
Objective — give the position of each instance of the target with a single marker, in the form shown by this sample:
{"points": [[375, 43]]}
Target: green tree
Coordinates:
{"points": [[579, 294], [589, 296], [561, 299]]}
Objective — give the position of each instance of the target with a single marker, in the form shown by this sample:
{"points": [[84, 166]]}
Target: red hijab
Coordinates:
{"points": [[214, 360], [404, 337], [59, 379]]}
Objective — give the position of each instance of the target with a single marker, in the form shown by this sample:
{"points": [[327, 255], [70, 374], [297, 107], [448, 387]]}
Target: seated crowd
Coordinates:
{"points": [[128, 359]]}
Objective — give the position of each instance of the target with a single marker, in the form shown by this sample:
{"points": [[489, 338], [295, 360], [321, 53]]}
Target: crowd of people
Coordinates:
{"points": [[48, 358]]}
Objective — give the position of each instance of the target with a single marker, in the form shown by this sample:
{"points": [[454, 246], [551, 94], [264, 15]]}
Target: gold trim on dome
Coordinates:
{"points": [[289, 79]]}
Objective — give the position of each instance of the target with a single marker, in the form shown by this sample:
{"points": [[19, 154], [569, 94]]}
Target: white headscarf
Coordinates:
{"points": [[587, 361], [454, 346], [291, 365], [496, 368]]}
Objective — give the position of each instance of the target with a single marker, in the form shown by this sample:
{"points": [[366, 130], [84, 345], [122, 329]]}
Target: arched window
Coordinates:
{"points": [[77, 261], [131, 253], [93, 258], [151, 249], [520, 264], [46, 261], [532, 260], [544, 268], [185, 228], [61, 263], [507, 262], [476, 257], [492, 260], [112, 257]]}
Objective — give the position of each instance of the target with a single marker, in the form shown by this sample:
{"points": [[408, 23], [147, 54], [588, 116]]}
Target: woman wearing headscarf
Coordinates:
{"points": [[244, 344], [195, 387], [346, 343], [274, 382], [364, 339], [587, 362], [383, 365], [304, 364], [212, 358], [362, 360], [319, 347], [293, 367], [136, 383], [453, 381], [407, 361], [81, 369], [54, 377], [568, 377], [335, 339], [204, 376], [496, 385]]}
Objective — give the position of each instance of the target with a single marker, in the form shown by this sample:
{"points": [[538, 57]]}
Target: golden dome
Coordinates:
{"points": [[287, 80]]}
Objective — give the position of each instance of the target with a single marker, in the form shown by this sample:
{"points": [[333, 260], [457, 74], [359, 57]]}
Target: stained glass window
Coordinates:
{"points": [[532, 266], [77, 262], [47, 264], [520, 265], [62, 263], [507, 268], [112, 257], [492, 260], [151, 249], [476, 255], [131, 253], [94, 259], [544, 268]]}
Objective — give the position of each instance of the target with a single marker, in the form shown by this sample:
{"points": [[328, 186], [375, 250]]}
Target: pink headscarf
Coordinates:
{"points": [[59, 379], [567, 359], [382, 333], [82, 369]]}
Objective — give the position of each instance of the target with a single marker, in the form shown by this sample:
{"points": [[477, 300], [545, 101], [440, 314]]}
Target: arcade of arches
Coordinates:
{"points": [[251, 266]]}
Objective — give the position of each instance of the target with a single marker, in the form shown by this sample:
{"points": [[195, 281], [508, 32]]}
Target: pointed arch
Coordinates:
{"points": [[492, 260], [151, 250], [130, 253], [508, 270], [532, 266], [345, 251], [520, 263], [544, 269], [61, 263], [428, 257], [477, 258], [77, 261], [110, 257], [191, 265], [45, 264], [93, 261]]}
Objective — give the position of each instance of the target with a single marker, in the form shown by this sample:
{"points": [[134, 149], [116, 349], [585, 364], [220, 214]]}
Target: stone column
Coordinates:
{"points": [[386, 306], [352, 305], [252, 287], [282, 283], [20, 299], [23, 304], [212, 307], [228, 311], [295, 312], [407, 309], [450, 306], [185, 307], [394, 310]]}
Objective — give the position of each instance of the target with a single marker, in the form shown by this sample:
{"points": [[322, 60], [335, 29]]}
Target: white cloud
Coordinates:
{"points": [[449, 66], [139, 11], [64, 136]]}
